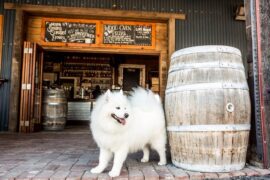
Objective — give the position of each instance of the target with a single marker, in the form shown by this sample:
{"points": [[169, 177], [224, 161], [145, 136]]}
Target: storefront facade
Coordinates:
{"points": [[174, 25]]}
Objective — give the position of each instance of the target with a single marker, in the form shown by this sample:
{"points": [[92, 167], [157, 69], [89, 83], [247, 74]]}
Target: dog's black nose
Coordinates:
{"points": [[126, 115]]}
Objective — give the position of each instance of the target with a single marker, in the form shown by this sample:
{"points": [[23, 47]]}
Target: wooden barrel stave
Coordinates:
{"points": [[201, 86], [224, 151], [186, 111]]}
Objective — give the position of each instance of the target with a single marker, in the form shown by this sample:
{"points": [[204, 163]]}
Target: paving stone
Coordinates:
{"points": [[149, 172], [250, 172], [178, 173], [64, 167], [59, 175], [260, 171], [84, 159], [12, 174], [80, 167], [104, 176], [210, 175], [163, 172], [26, 175], [2, 173], [51, 167], [135, 174], [195, 175], [224, 175], [75, 175], [44, 175], [89, 176], [237, 173]]}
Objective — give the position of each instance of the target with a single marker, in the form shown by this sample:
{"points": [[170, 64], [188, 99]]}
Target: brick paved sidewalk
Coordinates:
{"points": [[71, 154]]}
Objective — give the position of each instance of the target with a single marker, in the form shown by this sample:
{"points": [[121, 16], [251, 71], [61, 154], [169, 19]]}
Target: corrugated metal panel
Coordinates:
{"points": [[1, 7], [6, 67], [211, 22]]}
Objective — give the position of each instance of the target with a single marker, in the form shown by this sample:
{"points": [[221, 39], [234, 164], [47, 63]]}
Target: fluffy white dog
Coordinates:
{"points": [[122, 125]]}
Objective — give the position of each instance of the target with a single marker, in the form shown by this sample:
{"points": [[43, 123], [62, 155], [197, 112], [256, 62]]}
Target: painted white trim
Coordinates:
{"points": [[210, 168], [206, 49], [205, 86], [210, 127], [182, 66]]}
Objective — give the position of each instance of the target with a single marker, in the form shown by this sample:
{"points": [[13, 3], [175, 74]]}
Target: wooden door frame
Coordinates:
{"points": [[133, 66], [44, 10]]}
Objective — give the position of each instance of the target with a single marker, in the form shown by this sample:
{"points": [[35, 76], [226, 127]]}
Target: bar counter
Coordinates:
{"points": [[80, 109]]}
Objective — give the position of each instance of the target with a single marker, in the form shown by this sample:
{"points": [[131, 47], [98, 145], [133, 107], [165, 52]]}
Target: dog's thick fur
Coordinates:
{"points": [[122, 125]]}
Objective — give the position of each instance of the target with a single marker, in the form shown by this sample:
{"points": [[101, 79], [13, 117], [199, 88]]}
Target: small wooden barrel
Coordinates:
{"points": [[54, 109], [207, 109]]}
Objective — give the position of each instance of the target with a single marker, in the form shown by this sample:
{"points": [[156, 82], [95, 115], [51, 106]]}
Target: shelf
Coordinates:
{"points": [[69, 77], [81, 70]]}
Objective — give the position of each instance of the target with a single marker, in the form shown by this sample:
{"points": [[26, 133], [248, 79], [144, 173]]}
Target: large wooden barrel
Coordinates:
{"points": [[54, 109], [207, 107]]}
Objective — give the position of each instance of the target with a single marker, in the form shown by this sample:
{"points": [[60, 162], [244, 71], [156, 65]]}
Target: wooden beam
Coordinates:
{"points": [[96, 12], [1, 38], [171, 35], [102, 50]]}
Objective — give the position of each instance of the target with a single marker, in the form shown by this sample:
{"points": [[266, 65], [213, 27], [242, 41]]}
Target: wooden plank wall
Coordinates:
{"points": [[34, 30], [1, 38]]}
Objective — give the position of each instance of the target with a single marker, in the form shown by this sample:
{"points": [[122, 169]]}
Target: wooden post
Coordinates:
{"points": [[16, 72], [171, 35]]}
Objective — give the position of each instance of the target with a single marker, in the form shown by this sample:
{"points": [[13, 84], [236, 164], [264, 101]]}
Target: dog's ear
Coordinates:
{"points": [[108, 95]]}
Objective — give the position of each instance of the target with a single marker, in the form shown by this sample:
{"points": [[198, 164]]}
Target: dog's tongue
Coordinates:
{"points": [[122, 121], [119, 120]]}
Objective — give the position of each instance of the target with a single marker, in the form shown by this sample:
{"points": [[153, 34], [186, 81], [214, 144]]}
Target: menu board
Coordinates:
{"points": [[122, 34], [70, 32]]}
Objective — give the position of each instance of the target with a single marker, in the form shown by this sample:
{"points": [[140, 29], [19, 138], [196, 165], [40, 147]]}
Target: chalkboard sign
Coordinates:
{"points": [[70, 32], [127, 34]]}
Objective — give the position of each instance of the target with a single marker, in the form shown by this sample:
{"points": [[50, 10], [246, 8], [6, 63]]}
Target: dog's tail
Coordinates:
{"points": [[145, 99]]}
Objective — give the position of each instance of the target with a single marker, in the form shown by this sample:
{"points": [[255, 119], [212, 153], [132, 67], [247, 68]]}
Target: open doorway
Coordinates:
{"points": [[78, 75]]}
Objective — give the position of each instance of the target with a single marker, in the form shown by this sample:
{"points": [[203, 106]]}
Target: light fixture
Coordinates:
{"points": [[240, 13]]}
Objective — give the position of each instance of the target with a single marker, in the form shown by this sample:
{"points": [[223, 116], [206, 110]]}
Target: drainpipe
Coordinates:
{"points": [[261, 85]]}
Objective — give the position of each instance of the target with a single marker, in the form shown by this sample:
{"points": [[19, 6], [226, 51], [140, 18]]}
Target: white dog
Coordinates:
{"points": [[122, 125]]}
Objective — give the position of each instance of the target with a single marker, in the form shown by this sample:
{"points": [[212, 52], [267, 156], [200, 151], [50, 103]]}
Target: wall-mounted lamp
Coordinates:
{"points": [[240, 13], [114, 6]]}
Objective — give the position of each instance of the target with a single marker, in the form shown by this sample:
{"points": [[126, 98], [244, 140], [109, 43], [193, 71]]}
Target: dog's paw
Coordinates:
{"points": [[114, 174], [144, 160], [162, 163], [96, 170]]}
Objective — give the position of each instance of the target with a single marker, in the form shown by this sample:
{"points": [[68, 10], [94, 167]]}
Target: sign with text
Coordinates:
{"points": [[70, 32], [97, 33], [124, 34]]}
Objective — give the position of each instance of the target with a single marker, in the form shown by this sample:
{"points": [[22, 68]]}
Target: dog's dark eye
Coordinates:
{"points": [[117, 107]]}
